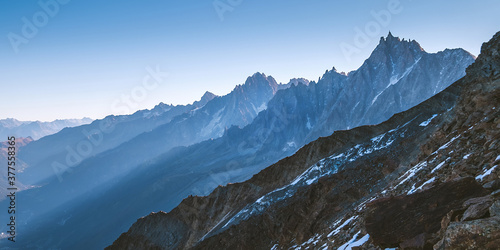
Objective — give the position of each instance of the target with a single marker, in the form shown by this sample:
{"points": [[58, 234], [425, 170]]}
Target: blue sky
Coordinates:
{"points": [[87, 55]]}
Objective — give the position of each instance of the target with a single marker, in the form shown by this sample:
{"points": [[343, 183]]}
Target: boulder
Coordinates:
{"points": [[396, 220], [495, 208], [476, 234], [477, 208]]}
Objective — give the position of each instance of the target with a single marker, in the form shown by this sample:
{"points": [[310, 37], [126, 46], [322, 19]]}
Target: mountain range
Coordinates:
{"points": [[37, 129], [427, 178], [151, 160]]}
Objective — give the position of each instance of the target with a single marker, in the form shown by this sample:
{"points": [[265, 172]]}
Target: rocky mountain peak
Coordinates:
{"points": [[10, 122], [208, 96], [487, 64], [391, 45], [390, 38], [255, 77], [258, 77], [162, 105], [259, 81], [297, 81]]}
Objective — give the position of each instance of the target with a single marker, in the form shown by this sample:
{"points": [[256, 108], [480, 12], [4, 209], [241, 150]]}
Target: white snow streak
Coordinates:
{"points": [[410, 173], [413, 190], [337, 230], [438, 167], [355, 243], [446, 145], [488, 172], [424, 124], [395, 79]]}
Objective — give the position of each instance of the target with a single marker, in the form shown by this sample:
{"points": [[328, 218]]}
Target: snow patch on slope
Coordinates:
{"points": [[413, 190], [337, 230], [354, 242], [446, 145], [324, 167], [410, 173], [440, 165], [395, 78], [213, 124], [424, 124], [308, 125], [486, 173]]}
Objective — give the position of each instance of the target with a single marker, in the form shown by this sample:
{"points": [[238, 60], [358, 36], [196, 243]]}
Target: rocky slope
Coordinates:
{"points": [[426, 178]]}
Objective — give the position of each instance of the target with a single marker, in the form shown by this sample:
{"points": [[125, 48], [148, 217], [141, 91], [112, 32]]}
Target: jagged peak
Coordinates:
{"points": [[255, 76], [487, 64], [258, 79], [258, 74], [393, 41], [162, 105], [389, 38], [392, 47], [208, 96], [457, 50], [297, 81], [333, 71]]}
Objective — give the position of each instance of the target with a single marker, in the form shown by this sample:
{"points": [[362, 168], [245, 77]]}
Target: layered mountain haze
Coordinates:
{"points": [[153, 159], [161, 128], [4, 183], [45, 155], [37, 129], [427, 178], [117, 140]]}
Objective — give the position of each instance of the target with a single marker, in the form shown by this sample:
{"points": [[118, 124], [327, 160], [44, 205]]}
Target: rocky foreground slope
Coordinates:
{"points": [[426, 178]]}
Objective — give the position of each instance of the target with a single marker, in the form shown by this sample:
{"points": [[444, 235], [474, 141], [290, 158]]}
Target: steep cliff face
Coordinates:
{"points": [[434, 168], [398, 75]]}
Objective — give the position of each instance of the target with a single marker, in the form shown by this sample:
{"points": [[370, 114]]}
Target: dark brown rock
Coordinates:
{"points": [[452, 216], [492, 185], [495, 208], [476, 234], [392, 221], [155, 231], [477, 208], [417, 242]]}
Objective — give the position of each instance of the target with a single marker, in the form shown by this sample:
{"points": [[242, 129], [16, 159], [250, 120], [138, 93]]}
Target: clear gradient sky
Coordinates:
{"points": [[86, 54]]}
